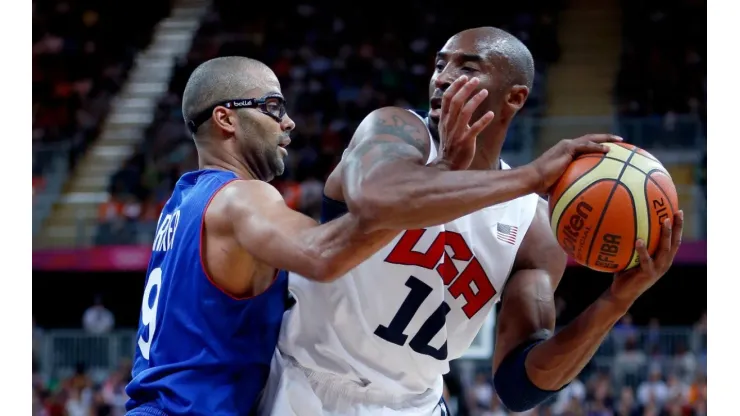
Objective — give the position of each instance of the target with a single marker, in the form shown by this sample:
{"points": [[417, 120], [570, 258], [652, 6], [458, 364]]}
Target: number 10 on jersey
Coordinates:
{"points": [[459, 283]]}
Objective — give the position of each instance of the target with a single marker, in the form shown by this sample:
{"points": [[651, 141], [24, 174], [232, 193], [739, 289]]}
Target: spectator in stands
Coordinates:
{"points": [[653, 334], [626, 405], [599, 398], [678, 390], [697, 395], [97, 319], [630, 361], [80, 402], [625, 328], [573, 392], [481, 393], [699, 342], [653, 391], [684, 362]]}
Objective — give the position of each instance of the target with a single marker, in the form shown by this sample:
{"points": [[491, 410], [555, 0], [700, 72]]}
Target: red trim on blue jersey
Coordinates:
{"points": [[200, 251]]}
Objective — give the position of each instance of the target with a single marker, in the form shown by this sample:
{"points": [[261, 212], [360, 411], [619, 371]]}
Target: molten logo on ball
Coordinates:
{"points": [[573, 229]]}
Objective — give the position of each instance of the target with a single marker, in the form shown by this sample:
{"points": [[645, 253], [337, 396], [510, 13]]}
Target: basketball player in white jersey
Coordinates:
{"points": [[378, 340]]}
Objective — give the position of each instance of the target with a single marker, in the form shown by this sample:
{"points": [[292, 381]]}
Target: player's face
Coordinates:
{"points": [[464, 54], [263, 134]]}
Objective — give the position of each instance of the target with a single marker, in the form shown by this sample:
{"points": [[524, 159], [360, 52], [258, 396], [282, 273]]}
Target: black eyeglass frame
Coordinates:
{"points": [[258, 103]]}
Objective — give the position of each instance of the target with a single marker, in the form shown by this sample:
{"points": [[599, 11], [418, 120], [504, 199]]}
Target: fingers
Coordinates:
{"points": [[664, 249], [646, 262], [599, 138], [460, 99], [451, 91], [470, 107], [587, 147], [481, 124], [677, 233]]}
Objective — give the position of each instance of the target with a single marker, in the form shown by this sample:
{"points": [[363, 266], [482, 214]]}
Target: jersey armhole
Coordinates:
{"points": [[201, 254]]}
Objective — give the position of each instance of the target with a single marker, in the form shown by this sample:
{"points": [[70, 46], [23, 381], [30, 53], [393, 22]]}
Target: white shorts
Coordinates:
{"points": [[293, 390]]}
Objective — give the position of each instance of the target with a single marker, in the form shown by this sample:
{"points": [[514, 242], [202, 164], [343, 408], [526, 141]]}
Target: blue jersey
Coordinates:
{"points": [[199, 350]]}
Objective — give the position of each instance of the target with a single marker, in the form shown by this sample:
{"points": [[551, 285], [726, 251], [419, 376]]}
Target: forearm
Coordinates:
{"points": [[336, 247], [424, 196], [556, 361]]}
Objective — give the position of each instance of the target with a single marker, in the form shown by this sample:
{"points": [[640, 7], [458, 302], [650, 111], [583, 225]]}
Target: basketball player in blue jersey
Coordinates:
{"points": [[216, 287], [378, 340]]}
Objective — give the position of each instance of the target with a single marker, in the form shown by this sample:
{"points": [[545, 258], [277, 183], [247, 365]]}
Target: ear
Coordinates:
{"points": [[517, 97], [224, 119]]}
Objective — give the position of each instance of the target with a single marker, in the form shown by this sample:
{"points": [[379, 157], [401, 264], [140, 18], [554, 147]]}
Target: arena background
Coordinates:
{"points": [[109, 143]]}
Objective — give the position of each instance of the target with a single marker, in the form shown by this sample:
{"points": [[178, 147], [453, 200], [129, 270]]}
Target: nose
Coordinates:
{"points": [[287, 124], [443, 81]]}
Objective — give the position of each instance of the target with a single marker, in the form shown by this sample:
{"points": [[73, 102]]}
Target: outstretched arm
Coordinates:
{"points": [[530, 363], [385, 177], [275, 235]]}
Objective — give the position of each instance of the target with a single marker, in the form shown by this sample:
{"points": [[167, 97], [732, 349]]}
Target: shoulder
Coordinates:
{"points": [[393, 123], [386, 135], [241, 198]]}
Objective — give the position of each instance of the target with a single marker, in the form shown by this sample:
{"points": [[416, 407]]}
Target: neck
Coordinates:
{"points": [[210, 158], [488, 148]]}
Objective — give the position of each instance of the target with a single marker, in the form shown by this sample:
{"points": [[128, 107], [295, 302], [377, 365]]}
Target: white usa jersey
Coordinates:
{"points": [[396, 321]]}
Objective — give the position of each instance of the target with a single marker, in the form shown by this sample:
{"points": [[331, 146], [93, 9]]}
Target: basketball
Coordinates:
{"points": [[603, 203]]}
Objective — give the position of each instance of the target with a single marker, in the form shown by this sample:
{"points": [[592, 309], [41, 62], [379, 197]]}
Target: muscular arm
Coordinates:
{"points": [[384, 179], [265, 227], [528, 314]]}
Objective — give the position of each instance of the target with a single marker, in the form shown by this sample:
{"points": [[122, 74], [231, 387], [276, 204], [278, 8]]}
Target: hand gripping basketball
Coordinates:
{"points": [[551, 165], [456, 135], [631, 284]]}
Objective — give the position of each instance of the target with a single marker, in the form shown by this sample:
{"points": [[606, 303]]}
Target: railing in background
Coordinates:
{"points": [[58, 352], [50, 163], [671, 139]]}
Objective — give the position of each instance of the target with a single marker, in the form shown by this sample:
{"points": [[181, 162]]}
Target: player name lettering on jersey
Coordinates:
{"points": [[472, 283], [166, 229]]}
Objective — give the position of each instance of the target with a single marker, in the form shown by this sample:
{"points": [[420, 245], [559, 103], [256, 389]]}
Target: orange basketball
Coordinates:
{"points": [[604, 202]]}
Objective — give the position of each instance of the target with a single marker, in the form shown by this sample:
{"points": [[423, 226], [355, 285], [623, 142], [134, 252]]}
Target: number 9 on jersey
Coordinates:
{"points": [[149, 313]]}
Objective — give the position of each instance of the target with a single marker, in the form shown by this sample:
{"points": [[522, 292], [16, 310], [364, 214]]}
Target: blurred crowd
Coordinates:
{"points": [[80, 395], [663, 72], [336, 64], [80, 60], [638, 371]]}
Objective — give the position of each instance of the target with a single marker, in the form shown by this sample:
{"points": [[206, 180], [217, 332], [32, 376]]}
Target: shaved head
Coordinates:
{"points": [[498, 43], [503, 66], [236, 114], [222, 79]]}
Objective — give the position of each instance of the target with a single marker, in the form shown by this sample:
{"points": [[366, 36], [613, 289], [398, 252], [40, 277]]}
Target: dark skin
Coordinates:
{"points": [[384, 175], [249, 232]]}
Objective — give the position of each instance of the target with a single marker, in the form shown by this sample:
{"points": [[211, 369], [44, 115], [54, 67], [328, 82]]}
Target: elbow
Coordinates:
{"points": [[324, 271], [370, 209]]}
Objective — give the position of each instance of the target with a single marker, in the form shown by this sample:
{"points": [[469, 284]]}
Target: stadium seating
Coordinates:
{"points": [[80, 60], [333, 72], [663, 71]]}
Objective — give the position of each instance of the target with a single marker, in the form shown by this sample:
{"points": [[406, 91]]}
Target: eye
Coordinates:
{"points": [[468, 69], [274, 106], [439, 66]]}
